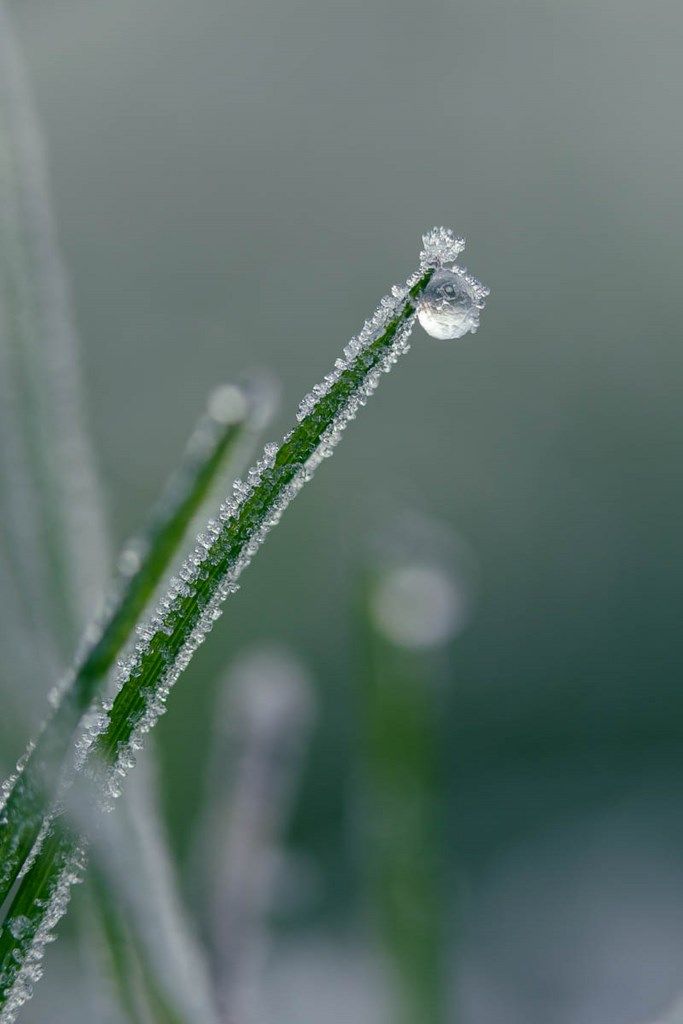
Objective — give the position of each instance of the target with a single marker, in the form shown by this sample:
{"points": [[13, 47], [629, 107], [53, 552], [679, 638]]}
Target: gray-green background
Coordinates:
{"points": [[235, 185]]}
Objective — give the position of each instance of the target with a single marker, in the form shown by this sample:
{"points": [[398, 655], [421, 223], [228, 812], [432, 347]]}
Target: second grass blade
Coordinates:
{"points": [[232, 414]]}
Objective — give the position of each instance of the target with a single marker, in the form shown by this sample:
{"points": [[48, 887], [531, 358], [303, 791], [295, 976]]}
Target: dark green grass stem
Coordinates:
{"points": [[144, 563], [121, 969], [132, 974], [401, 792], [34, 895]]}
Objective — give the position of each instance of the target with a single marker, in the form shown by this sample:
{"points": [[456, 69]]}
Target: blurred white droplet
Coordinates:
{"points": [[130, 560], [271, 693], [228, 404], [418, 606]]}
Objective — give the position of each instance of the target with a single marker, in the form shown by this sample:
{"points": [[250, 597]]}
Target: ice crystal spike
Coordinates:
{"points": [[212, 571], [440, 246]]}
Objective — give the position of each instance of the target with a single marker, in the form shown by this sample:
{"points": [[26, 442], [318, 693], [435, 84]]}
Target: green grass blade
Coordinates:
{"points": [[191, 607], [137, 886], [400, 800], [416, 598], [230, 419], [188, 612], [109, 954]]}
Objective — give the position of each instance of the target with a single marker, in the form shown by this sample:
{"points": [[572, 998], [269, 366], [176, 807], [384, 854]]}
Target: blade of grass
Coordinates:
{"points": [[53, 523], [187, 613], [400, 827], [411, 607], [230, 420], [108, 955], [263, 723], [138, 896]]}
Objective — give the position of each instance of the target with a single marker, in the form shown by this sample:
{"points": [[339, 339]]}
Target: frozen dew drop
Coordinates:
{"points": [[449, 306]]}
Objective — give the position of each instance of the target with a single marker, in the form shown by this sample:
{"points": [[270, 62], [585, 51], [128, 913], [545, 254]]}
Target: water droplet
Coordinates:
{"points": [[449, 306]]}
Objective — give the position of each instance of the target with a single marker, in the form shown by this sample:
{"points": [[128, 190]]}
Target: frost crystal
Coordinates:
{"points": [[7, 786], [440, 246]]}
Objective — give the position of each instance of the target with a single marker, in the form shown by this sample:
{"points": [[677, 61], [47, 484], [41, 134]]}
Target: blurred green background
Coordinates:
{"points": [[236, 185]]}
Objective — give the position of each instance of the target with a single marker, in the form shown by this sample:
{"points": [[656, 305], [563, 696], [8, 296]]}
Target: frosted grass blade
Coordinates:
{"points": [[263, 724], [193, 603], [230, 421], [54, 537]]}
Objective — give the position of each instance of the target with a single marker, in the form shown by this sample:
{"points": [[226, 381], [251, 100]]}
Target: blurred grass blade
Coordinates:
{"points": [[263, 725], [192, 605], [108, 956], [230, 421], [673, 1015], [139, 903], [409, 609], [53, 532]]}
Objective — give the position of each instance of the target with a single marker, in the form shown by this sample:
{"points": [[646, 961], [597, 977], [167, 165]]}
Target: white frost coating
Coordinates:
{"points": [[31, 968], [440, 247], [9, 783]]}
